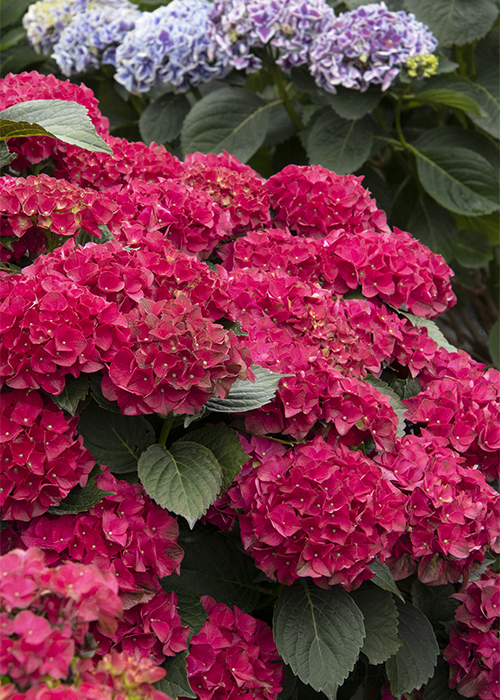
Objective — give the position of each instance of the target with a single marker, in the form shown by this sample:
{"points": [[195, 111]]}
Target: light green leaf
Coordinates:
{"points": [[459, 179], [81, 498], [473, 248], [185, 479], [433, 226], [115, 441], [162, 119], [6, 156], [214, 565], [225, 445], [384, 579], [66, 121], [176, 681], [432, 330], [319, 633], [380, 617], [353, 104], [232, 119], [338, 144], [75, 390], [246, 396], [494, 344], [455, 21], [450, 98], [485, 224], [414, 662], [395, 402]]}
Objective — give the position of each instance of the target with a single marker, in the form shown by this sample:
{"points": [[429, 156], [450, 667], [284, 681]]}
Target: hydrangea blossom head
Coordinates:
{"points": [[170, 46], [288, 25], [92, 37], [368, 46]]}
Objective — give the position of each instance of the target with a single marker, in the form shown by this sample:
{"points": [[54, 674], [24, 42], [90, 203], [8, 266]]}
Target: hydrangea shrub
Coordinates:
{"points": [[226, 403]]}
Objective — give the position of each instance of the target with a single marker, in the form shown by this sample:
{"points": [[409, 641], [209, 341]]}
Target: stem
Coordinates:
{"points": [[137, 104], [268, 437], [196, 92], [398, 117], [280, 83], [165, 429]]}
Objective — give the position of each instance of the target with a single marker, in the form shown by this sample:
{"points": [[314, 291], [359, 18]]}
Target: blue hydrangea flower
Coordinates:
{"points": [[367, 46], [288, 25], [170, 46], [93, 36], [45, 20]]}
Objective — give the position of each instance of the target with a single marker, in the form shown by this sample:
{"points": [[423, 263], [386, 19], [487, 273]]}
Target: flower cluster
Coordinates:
{"points": [[185, 215], [233, 656], [92, 36], [474, 649], [170, 46], [32, 206], [34, 86], [129, 161], [235, 187], [291, 26], [46, 612], [114, 677], [462, 404], [321, 511], [45, 20], [42, 458], [53, 327], [453, 514], [135, 541], [367, 46]]}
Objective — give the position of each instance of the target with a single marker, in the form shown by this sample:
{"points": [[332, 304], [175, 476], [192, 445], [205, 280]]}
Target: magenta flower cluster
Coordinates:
{"points": [[233, 656], [474, 649], [42, 455]]}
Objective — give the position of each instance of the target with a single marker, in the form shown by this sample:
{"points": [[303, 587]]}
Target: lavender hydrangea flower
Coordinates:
{"points": [[368, 46], [170, 46], [288, 25], [93, 37]]}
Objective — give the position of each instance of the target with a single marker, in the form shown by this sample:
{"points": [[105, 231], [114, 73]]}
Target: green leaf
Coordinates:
{"points": [[459, 179], [185, 479], [453, 136], [11, 11], [319, 633], [494, 344], [432, 330], [12, 38], [380, 617], [176, 681], [433, 226], [98, 396], [384, 579], [434, 602], [232, 119], [85, 237], [438, 687], [115, 441], [66, 121], [414, 662], [450, 98], [473, 248], [6, 156], [75, 390], [446, 65], [225, 445], [162, 119], [246, 396], [214, 565], [281, 126], [338, 144], [81, 498], [353, 104], [455, 21], [485, 224], [395, 402], [19, 58], [189, 606]]}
